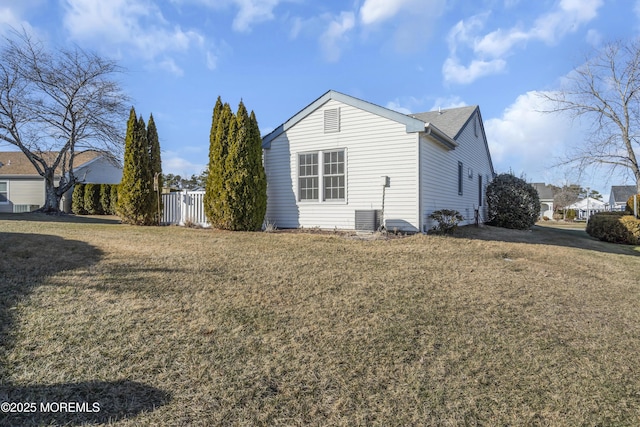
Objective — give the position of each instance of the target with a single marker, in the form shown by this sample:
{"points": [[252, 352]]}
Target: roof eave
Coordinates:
{"points": [[440, 137], [412, 124]]}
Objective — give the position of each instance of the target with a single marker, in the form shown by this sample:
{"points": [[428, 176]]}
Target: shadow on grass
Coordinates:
{"points": [[26, 261], [545, 235], [69, 218]]}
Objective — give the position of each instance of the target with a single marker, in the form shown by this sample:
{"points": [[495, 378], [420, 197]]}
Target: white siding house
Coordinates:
{"points": [[341, 158], [23, 190]]}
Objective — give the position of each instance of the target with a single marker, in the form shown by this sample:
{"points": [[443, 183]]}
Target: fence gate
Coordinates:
{"points": [[184, 207]]}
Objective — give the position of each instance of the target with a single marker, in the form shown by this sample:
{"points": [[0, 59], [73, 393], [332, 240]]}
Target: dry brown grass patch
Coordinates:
{"points": [[491, 327]]}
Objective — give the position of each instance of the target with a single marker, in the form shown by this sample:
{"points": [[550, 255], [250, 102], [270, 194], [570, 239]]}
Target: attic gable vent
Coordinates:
{"points": [[332, 120]]}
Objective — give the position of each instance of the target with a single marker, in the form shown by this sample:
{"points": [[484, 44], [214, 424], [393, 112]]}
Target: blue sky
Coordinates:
{"points": [[408, 55]]}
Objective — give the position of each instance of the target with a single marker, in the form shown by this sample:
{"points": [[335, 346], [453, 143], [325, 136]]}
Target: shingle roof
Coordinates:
{"points": [[16, 163], [621, 193], [450, 121], [544, 192]]}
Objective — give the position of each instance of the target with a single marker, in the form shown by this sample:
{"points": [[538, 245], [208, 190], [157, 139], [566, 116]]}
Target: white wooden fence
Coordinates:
{"points": [[184, 207]]}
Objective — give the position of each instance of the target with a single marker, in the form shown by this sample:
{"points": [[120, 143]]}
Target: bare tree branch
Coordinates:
{"points": [[56, 104], [606, 91]]}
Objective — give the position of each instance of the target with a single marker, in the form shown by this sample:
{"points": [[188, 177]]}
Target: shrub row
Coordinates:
{"points": [[94, 199], [615, 227], [630, 204]]}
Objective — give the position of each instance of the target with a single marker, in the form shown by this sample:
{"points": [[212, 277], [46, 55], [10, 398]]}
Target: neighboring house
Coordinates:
{"points": [[619, 196], [23, 190], [587, 207], [545, 194], [345, 163]]}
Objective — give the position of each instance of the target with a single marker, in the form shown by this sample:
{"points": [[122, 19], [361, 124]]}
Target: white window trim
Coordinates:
{"points": [[320, 199], [8, 201]]}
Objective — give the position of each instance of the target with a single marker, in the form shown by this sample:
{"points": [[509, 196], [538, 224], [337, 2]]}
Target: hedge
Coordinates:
{"points": [[94, 199], [630, 204], [615, 227]]}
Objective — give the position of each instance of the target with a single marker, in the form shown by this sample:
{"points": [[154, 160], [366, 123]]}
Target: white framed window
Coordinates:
{"points": [[325, 181], [308, 176], [4, 192], [333, 175]]}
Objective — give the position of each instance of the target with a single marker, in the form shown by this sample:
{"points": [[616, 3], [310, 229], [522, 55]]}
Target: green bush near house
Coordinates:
{"points": [[512, 202], [77, 200], [92, 199], [105, 198], [615, 227], [447, 220], [630, 204]]}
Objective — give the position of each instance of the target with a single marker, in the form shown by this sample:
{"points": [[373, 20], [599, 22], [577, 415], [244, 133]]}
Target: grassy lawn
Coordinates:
{"points": [[175, 326]]}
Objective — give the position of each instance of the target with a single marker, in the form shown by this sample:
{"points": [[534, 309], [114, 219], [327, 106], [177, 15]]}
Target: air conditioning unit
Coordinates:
{"points": [[368, 220], [24, 208]]}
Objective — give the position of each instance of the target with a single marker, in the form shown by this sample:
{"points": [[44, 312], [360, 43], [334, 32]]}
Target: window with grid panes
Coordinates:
{"points": [[308, 176], [333, 175]]}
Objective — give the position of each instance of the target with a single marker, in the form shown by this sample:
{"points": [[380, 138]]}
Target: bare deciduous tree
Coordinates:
{"points": [[606, 91], [56, 104]]}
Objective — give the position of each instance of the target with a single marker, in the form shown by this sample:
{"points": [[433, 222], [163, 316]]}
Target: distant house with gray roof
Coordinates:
{"points": [[545, 193], [619, 195], [342, 162]]}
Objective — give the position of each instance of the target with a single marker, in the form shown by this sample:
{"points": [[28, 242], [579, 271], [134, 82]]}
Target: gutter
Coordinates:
{"points": [[440, 137]]}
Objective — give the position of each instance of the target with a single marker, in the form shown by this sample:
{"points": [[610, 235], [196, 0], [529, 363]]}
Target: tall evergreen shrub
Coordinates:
{"points": [[77, 200], [92, 199], [236, 195], [105, 198], [155, 164]]}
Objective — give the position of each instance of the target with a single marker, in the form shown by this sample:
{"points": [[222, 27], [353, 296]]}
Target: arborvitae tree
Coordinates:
{"points": [[247, 193], [105, 198], [113, 196], [215, 200], [134, 193], [258, 201], [77, 200], [155, 163], [92, 199], [236, 185]]}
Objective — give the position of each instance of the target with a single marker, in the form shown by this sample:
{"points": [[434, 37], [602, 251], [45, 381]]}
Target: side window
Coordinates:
{"points": [[460, 180], [4, 192], [334, 183], [308, 176]]}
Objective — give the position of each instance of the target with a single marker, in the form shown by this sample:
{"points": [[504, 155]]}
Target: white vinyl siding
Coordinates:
{"points": [[440, 175], [374, 147]]}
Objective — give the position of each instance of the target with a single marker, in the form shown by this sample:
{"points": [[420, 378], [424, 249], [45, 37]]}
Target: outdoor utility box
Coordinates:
{"points": [[384, 181], [368, 220]]}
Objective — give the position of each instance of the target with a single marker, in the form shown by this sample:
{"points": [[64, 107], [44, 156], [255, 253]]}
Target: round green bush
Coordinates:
{"points": [[614, 227], [512, 202]]}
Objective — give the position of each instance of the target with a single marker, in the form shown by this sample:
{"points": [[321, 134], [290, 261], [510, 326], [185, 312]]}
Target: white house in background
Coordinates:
{"points": [[23, 190], [587, 207], [619, 195], [545, 194], [345, 163]]}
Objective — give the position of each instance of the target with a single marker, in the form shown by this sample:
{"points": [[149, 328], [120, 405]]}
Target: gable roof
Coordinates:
{"points": [[413, 124], [621, 193], [451, 121], [545, 192], [16, 163]]}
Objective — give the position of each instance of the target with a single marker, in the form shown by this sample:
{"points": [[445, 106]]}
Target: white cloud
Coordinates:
{"points": [[527, 140], [172, 162], [253, 11], [134, 25], [374, 11], [395, 106], [448, 102], [455, 72], [170, 65], [333, 40], [490, 50]]}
